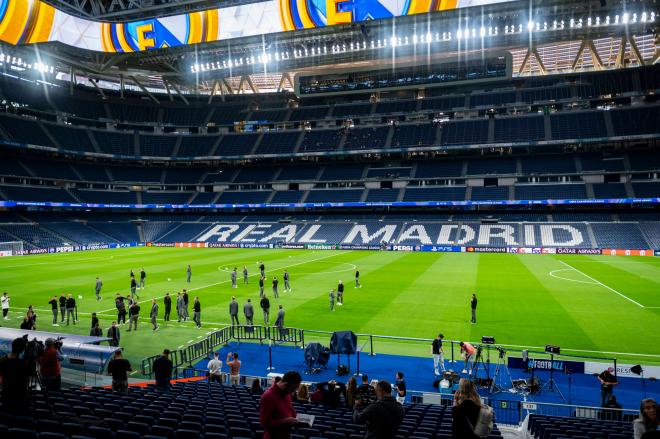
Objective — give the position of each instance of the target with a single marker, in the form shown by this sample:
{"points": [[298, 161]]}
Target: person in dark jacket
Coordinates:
{"points": [[382, 417], [95, 320], [70, 308], [265, 307], [465, 412], [167, 301], [332, 392], [133, 315], [233, 311], [163, 370], [114, 335], [96, 331], [62, 307], [53, 304], [121, 309]]}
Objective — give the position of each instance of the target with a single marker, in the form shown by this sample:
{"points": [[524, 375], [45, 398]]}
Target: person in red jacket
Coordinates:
{"points": [[276, 412], [50, 366]]}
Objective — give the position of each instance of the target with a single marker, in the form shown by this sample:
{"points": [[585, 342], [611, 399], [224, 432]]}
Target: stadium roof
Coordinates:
{"points": [[550, 37]]}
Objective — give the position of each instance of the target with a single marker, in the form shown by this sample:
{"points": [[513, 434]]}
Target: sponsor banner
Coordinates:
{"points": [[525, 250], [442, 248], [256, 245], [36, 251], [321, 247], [359, 247], [622, 370], [405, 248], [292, 246], [623, 252], [64, 249], [549, 251], [160, 244], [578, 251], [222, 245], [657, 252], [486, 249], [6, 253], [190, 244], [547, 364], [28, 22]]}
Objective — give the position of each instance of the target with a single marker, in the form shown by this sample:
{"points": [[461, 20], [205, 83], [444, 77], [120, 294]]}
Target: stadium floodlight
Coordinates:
{"points": [[530, 26], [624, 18]]}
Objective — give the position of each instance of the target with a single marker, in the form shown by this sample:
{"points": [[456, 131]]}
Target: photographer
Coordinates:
{"points": [[50, 366], [14, 375]]}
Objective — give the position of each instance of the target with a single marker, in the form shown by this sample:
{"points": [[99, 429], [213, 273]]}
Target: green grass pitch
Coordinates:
{"points": [[590, 305]]}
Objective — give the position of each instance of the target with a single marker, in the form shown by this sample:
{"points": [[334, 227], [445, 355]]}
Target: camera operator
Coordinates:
{"points": [[14, 374], [50, 365]]}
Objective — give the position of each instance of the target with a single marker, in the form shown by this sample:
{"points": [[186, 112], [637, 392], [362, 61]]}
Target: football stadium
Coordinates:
{"points": [[260, 219]]}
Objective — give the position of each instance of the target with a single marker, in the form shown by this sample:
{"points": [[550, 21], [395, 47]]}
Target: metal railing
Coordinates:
{"points": [[182, 359]]}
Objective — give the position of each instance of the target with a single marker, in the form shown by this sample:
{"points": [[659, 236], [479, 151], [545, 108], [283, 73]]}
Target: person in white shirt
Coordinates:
{"points": [[5, 305], [215, 369]]}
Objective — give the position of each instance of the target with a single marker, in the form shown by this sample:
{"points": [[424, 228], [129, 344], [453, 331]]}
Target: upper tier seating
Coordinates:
{"points": [[32, 193], [24, 130], [115, 143], [490, 193], [329, 196], [76, 139], [406, 136], [578, 125], [465, 132], [278, 142], [550, 191], [519, 129], [439, 193], [629, 121], [321, 140], [236, 144], [366, 138], [157, 146], [195, 146]]}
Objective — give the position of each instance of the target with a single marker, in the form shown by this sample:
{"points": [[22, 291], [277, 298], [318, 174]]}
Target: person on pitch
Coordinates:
{"points": [[245, 275], [234, 275], [340, 293]]}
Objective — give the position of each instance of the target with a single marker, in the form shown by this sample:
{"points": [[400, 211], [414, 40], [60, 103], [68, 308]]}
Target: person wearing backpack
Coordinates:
{"points": [[470, 418]]}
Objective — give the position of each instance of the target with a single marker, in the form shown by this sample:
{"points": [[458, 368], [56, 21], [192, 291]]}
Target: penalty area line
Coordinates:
{"points": [[603, 285]]}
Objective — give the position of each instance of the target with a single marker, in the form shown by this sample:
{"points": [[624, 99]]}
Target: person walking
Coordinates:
{"points": [[188, 274], [97, 288], [438, 354], [197, 312], [287, 281], [248, 310], [95, 319], [62, 300], [179, 306], [114, 335], [331, 294], [245, 275], [121, 309], [265, 307], [143, 276], [215, 369], [5, 306], [70, 308], [473, 308], [233, 311], [261, 286], [340, 293], [186, 300], [133, 315], [153, 315], [262, 269], [53, 305], [275, 283], [167, 301], [234, 275], [279, 321], [133, 287], [357, 279]]}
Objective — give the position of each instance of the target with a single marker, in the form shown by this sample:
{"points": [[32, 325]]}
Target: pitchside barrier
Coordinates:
{"points": [[370, 344]]}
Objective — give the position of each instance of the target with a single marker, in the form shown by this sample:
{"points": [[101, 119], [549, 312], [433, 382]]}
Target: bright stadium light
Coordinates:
{"points": [[625, 18], [530, 26]]}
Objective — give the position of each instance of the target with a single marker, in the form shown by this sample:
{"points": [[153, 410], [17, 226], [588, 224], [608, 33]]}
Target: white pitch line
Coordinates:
{"points": [[552, 274], [229, 280], [603, 285]]}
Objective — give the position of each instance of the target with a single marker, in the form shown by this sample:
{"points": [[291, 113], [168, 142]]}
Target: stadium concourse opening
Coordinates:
{"points": [[192, 205]]}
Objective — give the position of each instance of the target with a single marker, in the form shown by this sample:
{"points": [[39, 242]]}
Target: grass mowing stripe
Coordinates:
{"points": [[602, 284]]}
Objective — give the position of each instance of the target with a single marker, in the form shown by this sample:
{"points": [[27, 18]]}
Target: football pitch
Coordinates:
{"points": [[597, 306]]}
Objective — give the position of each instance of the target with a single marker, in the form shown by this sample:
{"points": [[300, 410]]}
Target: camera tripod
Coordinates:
{"points": [[501, 371], [551, 384], [479, 363]]}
